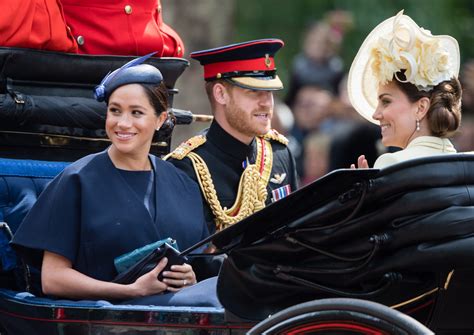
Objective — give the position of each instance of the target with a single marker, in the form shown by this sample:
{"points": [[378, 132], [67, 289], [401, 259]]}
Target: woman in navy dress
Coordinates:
{"points": [[110, 203]]}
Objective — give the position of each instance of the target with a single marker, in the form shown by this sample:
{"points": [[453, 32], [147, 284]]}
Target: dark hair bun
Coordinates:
{"points": [[444, 115]]}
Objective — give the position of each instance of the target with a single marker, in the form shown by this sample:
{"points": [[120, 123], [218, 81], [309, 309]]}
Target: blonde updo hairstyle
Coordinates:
{"points": [[444, 114]]}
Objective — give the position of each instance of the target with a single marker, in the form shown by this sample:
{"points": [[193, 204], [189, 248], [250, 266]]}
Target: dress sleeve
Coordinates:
{"points": [[385, 160], [53, 223], [184, 165]]}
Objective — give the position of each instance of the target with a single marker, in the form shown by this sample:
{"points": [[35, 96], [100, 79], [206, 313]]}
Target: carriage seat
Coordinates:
{"points": [[21, 182]]}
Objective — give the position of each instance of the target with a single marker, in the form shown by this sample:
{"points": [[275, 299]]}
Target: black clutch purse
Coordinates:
{"points": [[149, 262]]}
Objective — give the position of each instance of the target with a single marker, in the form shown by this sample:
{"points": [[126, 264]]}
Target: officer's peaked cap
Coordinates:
{"points": [[249, 64], [133, 72]]}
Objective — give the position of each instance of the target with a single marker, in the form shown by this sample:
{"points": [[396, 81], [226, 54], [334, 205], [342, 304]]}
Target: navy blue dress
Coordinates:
{"points": [[90, 215]]}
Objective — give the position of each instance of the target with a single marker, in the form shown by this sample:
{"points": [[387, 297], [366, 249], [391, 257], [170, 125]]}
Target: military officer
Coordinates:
{"points": [[240, 163]]}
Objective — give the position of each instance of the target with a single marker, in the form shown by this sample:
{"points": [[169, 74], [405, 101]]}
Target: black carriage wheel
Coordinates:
{"points": [[339, 316]]}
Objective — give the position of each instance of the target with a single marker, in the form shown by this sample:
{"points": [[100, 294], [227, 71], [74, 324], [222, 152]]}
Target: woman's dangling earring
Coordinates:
{"points": [[417, 125], [157, 129]]}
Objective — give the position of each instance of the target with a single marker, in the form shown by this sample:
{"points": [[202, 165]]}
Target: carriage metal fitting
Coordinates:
{"points": [[380, 238], [393, 277], [352, 193], [290, 239], [281, 269], [4, 225]]}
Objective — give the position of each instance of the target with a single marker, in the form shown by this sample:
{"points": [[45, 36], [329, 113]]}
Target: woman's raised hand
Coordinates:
{"points": [[361, 163]]}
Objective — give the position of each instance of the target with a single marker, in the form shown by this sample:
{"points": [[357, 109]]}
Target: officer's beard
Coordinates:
{"points": [[245, 122]]}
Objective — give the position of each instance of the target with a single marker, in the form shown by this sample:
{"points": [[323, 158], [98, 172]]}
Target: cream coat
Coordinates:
{"points": [[420, 147]]}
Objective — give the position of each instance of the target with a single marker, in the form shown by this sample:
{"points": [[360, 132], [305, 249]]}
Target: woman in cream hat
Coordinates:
{"points": [[405, 79]]}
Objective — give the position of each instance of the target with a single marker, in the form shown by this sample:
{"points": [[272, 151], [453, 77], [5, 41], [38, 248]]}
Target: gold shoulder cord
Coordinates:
{"points": [[186, 147], [276, 136], [252, 190]]}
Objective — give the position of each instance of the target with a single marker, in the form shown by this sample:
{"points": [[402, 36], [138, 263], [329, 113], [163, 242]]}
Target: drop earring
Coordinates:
{"points": [[417, 125], [157, 129]]}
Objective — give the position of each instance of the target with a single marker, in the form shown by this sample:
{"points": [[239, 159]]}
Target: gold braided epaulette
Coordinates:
{"points": [[186, 147], [276, 136]]}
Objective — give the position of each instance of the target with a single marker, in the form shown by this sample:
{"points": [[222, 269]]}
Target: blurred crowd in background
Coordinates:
{"points": [[314, 111]]}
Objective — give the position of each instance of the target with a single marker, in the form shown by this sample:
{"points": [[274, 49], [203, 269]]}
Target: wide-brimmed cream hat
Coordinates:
{"points": [[396, 44]]}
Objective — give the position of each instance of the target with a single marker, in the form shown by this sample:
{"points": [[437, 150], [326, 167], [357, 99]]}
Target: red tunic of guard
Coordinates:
{"points": [[121, 27], [35, 24]]}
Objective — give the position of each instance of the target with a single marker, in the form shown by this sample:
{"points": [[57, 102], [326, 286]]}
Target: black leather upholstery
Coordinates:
{"points": [[35, 71], [46, 100], [392, 237]]}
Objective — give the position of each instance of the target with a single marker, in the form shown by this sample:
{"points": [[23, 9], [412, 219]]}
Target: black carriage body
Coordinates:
{"points": [[402, 236], [48, 111]]}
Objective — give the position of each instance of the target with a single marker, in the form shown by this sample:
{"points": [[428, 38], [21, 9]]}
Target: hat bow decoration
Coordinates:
{"points": [[413, 49], [100, 90]]}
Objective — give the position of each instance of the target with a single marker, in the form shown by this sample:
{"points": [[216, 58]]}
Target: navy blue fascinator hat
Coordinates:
{"points": [[133, 72]]}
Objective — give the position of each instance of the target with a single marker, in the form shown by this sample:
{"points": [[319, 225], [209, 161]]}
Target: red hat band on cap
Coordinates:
{"points": [[214, 70], [249, 64]]}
